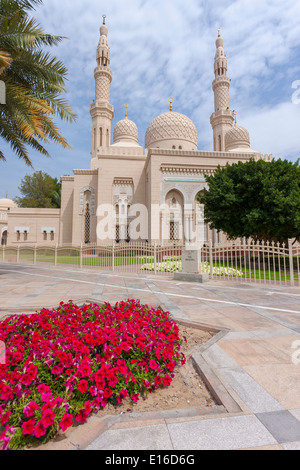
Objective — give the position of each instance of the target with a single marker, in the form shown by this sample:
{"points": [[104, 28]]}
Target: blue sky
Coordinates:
{"points": [[166, 48]]}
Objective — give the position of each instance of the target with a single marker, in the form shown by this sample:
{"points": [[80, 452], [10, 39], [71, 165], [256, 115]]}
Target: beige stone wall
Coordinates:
{"points": [[67, 196], [84, 180], [27, 226]]}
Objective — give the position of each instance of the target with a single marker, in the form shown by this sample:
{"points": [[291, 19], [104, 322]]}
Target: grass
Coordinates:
{"points": [[255, 273]]}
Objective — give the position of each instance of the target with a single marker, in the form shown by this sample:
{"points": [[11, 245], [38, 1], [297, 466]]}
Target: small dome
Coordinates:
{"points": [[126, 131], [170, 130], [237, 138], [7, 203]]}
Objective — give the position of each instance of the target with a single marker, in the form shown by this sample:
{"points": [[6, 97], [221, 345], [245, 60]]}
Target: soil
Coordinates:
{"points": [[187, 389]]}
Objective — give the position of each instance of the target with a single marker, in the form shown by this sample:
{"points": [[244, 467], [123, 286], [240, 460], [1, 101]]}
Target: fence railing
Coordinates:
{"points": [[134, 257], [262, 262], [236, 261]]}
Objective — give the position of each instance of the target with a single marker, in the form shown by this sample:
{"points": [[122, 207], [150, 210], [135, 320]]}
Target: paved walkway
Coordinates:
{"points": [[253, 363]]}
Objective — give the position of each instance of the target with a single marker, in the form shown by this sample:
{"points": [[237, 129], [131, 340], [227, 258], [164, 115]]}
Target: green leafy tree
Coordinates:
{"points": [[34, 82], [39, 190], [255, 199]]}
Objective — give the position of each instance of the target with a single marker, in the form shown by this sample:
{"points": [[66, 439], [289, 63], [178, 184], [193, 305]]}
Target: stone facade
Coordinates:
{"points": [[131, 192]]}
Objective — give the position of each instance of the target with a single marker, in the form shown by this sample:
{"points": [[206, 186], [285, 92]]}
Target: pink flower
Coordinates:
{"points": [[30, 409], [66, 421], [135, 397], [152, 364], [42, 388]]}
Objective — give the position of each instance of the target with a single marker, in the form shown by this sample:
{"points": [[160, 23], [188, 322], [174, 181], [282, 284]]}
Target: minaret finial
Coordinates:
{"points": [[219, 32], [126, 108], [171, 101], [104, 18]]}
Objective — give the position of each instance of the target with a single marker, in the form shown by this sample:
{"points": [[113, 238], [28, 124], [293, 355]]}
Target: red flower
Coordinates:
{"points": [[28, 426], [135, 397], [5, 418], [82, 386], [48, 418], [66, 422], [167, 381], [40, 429]]}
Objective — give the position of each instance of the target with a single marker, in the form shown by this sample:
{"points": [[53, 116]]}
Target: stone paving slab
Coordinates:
{"points": [[282, 425], [220, 434], [140, 438], [252, 394]]}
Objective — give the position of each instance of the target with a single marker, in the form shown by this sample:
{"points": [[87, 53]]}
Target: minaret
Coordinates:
{"points": [[102, 111], [223, 118]]}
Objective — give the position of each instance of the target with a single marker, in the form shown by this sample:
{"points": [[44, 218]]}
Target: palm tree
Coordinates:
{"points": [[34, 82]]}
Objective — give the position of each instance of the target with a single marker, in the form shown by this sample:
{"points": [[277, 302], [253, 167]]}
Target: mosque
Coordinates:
{"points": [[135, 193]]}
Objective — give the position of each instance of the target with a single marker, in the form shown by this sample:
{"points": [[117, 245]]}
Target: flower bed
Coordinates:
{"points": [[176, 266], [64, 364]]}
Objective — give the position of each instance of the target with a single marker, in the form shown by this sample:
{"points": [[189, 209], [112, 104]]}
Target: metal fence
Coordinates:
{"points": [[262, 262], [132, 257], [269, 263]]}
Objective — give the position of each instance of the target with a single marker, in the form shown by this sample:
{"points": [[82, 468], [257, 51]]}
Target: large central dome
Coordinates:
{"points": [[172, 131]]}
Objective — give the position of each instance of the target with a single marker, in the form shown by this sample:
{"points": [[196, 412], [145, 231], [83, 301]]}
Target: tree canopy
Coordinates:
{"points": [[255, 199], [34, 82], [39, 190]]}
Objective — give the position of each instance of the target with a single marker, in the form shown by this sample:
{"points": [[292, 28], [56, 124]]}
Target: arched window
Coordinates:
{"points": [[52, 236], [107, 138], [101, 137], [220, 143], [18, 235], [25, 236], [44, 235]]}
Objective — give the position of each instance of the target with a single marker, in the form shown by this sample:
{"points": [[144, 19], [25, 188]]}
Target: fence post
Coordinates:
{"points": [[80, 255], [18, 253], [34, 255], [291, 263], [55, 256], [155, 257], [211, 260], [113, 256]]}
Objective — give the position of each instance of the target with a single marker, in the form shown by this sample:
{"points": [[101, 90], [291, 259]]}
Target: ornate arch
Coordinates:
{"points": [[92, 201]]}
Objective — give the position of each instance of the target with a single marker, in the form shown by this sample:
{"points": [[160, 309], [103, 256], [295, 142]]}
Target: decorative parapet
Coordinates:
{"points": [[85, 172], [123, 181], [119, 152], [187, 169], [67, 178]]}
